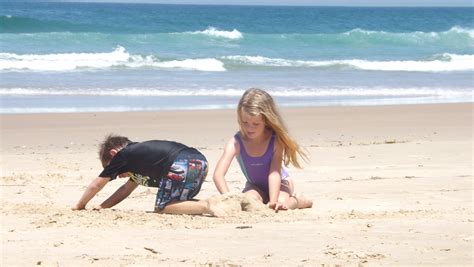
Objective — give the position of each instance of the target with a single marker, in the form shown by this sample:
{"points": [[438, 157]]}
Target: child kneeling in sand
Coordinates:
{"points": [[261, 145], [176, 169]]}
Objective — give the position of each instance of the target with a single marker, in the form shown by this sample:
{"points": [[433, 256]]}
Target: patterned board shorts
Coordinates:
{"points": [[184, 179]]}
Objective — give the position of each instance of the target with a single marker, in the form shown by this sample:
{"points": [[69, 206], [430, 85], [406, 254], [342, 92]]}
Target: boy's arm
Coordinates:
{"points": [[223, 165], [124, 191], [94, 187]]}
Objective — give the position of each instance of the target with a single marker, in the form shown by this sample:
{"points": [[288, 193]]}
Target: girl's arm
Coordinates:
{"points": [[124, 191], [230, 150], [94, 187], [274, 178]]}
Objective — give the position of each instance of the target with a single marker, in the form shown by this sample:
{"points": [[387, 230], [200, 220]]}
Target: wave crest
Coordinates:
{"points": [[456, 33], [119, 58], [438, 63], [214, 32]]}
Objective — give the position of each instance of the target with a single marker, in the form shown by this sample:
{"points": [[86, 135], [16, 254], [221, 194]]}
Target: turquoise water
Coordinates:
{"points": [[75, 57]]}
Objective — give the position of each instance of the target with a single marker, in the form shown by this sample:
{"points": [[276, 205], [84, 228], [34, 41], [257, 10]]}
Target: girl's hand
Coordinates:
{"points": [[277, 206]]}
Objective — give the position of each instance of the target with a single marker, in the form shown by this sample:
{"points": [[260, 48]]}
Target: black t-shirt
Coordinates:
{"points": [[150, 158]]}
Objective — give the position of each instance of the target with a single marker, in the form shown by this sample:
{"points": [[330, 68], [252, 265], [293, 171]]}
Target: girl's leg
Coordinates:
{"points": [[255, 192], [292, 200], [286, 190], [287, 196], [302, 202]]}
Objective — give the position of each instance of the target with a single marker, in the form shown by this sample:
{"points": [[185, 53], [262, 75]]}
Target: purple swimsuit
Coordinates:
{"points": [[257, 169]]}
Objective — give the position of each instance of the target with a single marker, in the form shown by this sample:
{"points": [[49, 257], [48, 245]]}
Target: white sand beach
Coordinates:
{"points": [[391, 185]]}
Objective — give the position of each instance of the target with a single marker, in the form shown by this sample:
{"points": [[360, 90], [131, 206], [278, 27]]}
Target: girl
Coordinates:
{"points": [[261, 145]]}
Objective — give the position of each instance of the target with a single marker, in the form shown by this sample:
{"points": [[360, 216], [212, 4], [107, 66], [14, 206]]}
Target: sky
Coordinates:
{"points": [[298, 2]]}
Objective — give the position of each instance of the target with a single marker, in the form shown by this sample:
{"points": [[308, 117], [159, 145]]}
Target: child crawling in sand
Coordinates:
{"points": [[176, 169], [261, 145]]}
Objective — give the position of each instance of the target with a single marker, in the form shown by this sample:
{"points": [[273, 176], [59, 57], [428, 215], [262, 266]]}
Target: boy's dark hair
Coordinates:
{"points": [[111, 142]]}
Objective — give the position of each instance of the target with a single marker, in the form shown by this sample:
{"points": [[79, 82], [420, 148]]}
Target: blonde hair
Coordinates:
{"points": [[258, 102]]}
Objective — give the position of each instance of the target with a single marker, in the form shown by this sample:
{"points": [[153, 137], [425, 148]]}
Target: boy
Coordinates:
{"points": [[176, 169]]}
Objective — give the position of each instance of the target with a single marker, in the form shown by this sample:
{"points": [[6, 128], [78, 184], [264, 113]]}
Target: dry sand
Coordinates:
{"points": [[392, 185]]}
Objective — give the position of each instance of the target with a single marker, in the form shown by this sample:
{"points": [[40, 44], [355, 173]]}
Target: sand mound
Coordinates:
{"points": [[234, 203]]}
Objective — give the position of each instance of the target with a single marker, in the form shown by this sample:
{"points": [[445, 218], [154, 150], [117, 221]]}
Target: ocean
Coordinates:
{"points": [[93, 57]]}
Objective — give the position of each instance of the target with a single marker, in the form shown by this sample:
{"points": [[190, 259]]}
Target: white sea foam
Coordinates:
{"points": [[277, 62], [455, 29], [361, 31], [445, 62], [458, 29], [106, 109], [206, 64], [119, 92], [452, 63], [214, 32], [63, 62], [222, 98], [119, 58], [215, 92]]}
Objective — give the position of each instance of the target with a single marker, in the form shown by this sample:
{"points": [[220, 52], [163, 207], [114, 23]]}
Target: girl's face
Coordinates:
{"points": [[253, 126]]}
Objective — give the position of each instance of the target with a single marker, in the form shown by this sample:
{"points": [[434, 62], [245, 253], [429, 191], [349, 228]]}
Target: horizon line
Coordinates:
{"points": [[232, 4]]}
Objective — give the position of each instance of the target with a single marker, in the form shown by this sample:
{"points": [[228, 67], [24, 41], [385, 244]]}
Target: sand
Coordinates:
{"points": [[392, 185]]}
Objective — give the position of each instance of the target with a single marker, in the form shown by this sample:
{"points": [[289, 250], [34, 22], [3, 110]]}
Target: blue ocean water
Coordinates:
{"points": [[77, 57]]}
